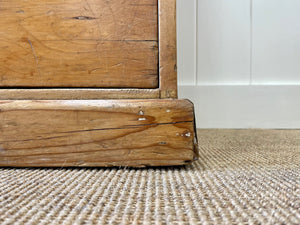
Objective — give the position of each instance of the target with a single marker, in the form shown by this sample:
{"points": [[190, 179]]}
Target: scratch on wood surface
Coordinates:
{"points": [[118, 64], [93, 70], [35, 57], [63, 164]]}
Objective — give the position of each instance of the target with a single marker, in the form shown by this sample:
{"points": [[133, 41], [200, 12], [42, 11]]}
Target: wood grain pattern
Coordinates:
{"points": [[97, 133], [167, 49], [77, 94], [74, 43]]}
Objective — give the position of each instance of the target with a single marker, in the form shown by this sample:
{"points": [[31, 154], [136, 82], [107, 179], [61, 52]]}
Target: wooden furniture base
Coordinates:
{"points": [[91, 83], [60, 133]]}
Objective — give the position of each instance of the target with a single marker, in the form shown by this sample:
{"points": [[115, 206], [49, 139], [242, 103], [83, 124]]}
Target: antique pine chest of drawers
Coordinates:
{"points": [[91, 83]]}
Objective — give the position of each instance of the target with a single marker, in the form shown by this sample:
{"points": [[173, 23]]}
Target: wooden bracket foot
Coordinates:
{"points": [[97, 133]]}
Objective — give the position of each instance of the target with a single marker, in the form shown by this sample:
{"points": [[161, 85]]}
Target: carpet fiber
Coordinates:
{"points": [[242, 177]]}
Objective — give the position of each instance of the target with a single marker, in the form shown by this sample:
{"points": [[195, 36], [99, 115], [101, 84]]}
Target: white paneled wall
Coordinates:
{"points": [[223, 45], [276, 42], [187, 38], [239, 61]]}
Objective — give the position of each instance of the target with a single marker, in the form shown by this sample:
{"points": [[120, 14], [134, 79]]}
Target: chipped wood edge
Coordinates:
{"points": [[167, 48]]}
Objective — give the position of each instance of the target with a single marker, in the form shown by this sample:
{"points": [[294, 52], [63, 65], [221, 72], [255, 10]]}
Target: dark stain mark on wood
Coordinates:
{"points": [[163, 143], [84, 18], [20, 11]]}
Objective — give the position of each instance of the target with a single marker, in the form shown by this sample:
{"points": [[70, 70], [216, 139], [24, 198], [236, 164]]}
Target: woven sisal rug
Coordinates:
{"points": [[242, 177]]}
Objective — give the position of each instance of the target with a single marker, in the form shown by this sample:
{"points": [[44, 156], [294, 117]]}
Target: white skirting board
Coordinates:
{"points": [[245, 106]]}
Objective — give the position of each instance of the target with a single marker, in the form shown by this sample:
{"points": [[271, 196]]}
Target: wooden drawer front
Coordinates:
{"points": [[76, 43]]}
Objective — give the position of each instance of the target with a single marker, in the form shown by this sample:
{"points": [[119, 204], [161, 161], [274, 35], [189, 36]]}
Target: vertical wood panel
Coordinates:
{"points": [[167, 48], [186, 45], [276, 41], [223, 42]]}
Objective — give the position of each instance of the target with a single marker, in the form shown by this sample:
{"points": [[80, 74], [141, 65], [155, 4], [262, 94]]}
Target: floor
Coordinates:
{"points": [[241, 177]]}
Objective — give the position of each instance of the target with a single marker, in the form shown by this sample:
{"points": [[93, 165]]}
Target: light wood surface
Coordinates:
{"points": [[96, 133], [64, 55], [77, 94], [58, 50], [167, 49], [74, 43]]}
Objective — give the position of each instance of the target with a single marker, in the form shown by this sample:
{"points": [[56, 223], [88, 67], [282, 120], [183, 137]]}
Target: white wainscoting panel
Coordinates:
{"points": [[245, 106], [276, 42], [223, 42], [239, 62], [186, 41]]}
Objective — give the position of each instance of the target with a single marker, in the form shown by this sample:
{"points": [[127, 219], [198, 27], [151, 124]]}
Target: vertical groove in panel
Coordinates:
{"points": [[196, 42], [251, 42]]}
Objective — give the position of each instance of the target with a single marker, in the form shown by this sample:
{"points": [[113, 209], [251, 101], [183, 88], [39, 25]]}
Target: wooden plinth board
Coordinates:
{"points": [[84, 133]]}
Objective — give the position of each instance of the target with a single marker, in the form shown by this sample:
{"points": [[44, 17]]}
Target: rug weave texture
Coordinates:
{"points": [[241, 177]]}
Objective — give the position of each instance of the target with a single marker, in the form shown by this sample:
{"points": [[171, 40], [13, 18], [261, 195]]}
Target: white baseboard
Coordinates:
{"points": [[245, 106]]}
